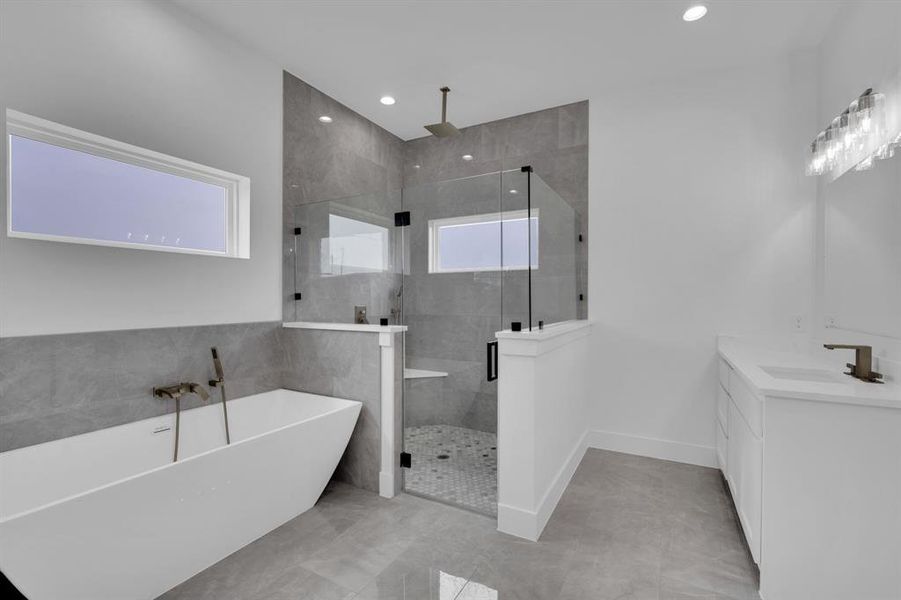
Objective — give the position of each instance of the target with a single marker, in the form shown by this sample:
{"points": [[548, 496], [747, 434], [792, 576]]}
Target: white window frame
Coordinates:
{"points": [[436, 224], [237, 187]]}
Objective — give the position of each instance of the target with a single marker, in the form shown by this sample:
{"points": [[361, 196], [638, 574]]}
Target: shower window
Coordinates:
{"points": [[67, 185], [487, 242]]}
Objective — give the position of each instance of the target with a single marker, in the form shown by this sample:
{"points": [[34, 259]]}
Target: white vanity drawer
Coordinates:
{"points": [[748, 404], [725, 373], [722, 408]]}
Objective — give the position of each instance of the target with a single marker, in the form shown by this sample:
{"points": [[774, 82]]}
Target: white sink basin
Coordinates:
{"points": [[796, 374]]}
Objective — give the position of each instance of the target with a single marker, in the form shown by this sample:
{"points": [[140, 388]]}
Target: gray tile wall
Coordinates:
{"points": [[350, 158], [452, 316], [353, 168], [553, 141], [56, 386], [344, 364], [62, 385]]}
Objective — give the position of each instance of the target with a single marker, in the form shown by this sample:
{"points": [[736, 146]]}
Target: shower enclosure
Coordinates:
{"points": [[455, 261]]}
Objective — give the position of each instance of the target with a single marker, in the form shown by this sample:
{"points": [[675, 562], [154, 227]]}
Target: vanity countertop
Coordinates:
{"points": [[749, 360]]}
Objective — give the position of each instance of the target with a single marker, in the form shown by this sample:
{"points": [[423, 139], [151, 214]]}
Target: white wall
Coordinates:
{"points": [[146, 74], [702, 222]]}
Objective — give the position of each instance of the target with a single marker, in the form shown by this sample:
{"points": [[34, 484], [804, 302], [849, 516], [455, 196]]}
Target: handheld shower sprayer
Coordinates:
{"points": [[219, 382]]}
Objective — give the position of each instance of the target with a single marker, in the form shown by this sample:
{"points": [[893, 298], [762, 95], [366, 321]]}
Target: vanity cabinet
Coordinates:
{"points": [[813, 464], [739, 431], [745, 464]]}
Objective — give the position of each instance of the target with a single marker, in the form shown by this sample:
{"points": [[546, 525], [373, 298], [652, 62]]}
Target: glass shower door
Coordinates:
{"points": [[452, 305]]}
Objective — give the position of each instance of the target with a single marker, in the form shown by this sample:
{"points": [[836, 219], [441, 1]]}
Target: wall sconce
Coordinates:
{"points": [[854, 139]]}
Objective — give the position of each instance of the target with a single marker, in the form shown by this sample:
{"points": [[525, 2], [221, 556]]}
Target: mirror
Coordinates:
{"points": [[862, 287]]}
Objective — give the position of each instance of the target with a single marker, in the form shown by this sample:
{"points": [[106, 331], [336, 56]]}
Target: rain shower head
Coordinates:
{"points": [[443, 129]]}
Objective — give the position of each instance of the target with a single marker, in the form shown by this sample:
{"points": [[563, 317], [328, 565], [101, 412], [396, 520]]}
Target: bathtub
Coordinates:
{"points": [[107, 515]]}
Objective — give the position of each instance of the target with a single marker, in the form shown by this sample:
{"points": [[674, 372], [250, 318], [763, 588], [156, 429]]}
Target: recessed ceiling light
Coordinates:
{"points": [[387, 100], [325, 119], [467, 157], [416, 166], [694, 13], [514, 192]]}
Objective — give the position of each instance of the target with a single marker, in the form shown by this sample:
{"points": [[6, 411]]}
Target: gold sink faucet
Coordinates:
{"points": [[863, 362]]}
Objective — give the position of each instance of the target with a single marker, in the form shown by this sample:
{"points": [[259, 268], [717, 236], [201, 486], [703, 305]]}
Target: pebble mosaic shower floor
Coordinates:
{"points": [[453, 464]]}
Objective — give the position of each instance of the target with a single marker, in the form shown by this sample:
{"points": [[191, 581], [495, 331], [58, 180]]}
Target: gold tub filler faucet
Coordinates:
{"points": [[863, 362], [175, 392]]}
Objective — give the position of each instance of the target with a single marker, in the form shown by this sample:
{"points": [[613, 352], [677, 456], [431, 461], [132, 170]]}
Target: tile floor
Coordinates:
{"points": [[626, 528], [453, 464]]}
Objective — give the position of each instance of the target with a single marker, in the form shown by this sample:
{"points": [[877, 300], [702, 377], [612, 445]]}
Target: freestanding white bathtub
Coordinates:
{"points": [[107, 515]]}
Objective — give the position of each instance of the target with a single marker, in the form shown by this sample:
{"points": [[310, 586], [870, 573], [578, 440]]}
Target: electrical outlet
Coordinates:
{"points": [[829, 322], [799, 323]]}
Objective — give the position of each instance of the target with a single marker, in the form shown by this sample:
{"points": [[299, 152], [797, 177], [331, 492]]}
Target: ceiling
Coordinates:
{"points": [[504, 58]]}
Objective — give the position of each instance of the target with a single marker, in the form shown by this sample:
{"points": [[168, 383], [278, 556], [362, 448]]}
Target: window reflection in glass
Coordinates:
{"points": [[354, 246]]}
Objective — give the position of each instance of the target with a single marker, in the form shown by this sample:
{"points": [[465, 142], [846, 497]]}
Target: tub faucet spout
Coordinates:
{"points": [[178, 390], [175, 392], [196, 388]]}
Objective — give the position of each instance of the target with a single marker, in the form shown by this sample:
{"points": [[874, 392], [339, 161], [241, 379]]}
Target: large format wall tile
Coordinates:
{"points": [[62, 385], [344, 364], [452, 316], [352, 162], [57, 386], [325, 161]]}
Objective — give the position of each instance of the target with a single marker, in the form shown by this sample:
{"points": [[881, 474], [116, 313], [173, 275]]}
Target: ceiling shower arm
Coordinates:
{"points": [[444, 92]]}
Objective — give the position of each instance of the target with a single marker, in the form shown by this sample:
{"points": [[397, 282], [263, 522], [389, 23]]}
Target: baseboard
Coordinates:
{"points": [[517, 521], [529, 524], [553, 494], [704, 456]]}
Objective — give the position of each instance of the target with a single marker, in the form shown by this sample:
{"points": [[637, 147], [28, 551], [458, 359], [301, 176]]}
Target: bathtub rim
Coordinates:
{"points": [[70, 497]]}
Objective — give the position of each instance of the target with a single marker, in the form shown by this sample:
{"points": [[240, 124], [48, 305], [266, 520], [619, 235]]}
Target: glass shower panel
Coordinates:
{"points": [[554, 270], [452, 307], [348, 254], [519, 237]]}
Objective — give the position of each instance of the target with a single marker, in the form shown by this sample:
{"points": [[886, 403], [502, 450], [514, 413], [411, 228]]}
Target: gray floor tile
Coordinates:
{"points": [[627, 528]]}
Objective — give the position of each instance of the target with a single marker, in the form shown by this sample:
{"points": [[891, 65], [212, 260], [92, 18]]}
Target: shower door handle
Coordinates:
{"points": [[491, 356]]}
